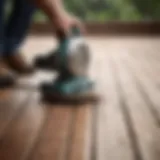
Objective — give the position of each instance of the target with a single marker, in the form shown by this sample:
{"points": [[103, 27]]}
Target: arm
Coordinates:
{"points": [[52, 8], [56, 13]]}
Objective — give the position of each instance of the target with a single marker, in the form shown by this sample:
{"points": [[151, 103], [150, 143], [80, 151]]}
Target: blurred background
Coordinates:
{"points": [[109, 10], [112, 10]]}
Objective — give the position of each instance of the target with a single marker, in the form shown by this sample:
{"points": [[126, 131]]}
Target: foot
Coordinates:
{"points": [[17, 63], [6, 78]]}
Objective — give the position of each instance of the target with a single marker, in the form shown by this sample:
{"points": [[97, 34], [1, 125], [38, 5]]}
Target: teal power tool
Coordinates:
{"points": [[71, 60]]}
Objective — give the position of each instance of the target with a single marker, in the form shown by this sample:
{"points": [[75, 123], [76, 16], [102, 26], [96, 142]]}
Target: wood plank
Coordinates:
{"points": [[78, 144], [150, 67], [146, 132], [112, 140], [11, 102], [20, 136], [55, 136], [148, 89], [64, 134]]}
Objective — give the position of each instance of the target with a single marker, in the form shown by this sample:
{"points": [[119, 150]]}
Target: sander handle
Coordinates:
{"points": [[75, 32]]}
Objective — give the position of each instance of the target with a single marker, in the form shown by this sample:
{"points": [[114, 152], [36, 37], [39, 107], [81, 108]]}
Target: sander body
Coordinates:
{"points": [[71, 61]]}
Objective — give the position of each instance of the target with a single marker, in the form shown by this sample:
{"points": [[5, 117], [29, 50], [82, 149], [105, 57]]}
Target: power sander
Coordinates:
{"points": [[71, 60]]}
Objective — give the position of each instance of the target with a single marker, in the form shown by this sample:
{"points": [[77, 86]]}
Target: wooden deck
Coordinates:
{"points": [[124, 126]]}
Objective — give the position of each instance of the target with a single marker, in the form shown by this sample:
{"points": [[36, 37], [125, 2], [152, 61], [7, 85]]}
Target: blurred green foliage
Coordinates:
{"points": [[111, 10], [123, 10]]}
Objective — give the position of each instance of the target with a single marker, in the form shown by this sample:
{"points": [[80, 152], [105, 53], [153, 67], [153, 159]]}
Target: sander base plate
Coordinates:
{"points": [[74, 90]]}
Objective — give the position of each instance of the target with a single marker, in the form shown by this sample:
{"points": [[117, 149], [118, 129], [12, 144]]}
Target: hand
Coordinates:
{"points": [[65, 22]]}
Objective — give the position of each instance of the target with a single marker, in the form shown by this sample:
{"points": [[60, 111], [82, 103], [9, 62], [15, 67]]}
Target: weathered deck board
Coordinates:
{"points": [[23, 130], [112, 134], [124, 125], [144, 128], [9, 107], [53, 141], [150, 67], [63, 135], [77, 144], [146, 85]]}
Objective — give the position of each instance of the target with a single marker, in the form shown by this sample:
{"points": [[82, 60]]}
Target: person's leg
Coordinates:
{"points": [[2, 23], [6, 80], [16, 31], [18, 24]]}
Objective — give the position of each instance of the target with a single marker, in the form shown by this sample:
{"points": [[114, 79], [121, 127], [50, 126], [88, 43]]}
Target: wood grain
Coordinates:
{"points": [[144, 126], [53, 140], [78, 144], [111, 138], [11, 102], [22, 132]]}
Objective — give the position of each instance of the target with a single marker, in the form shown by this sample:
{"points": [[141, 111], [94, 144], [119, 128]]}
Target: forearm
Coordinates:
{"points": [[60, 19], [52, 8]]}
